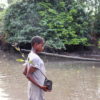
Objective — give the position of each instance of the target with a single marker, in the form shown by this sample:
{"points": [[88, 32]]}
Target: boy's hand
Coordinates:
{"points": [[45, 88]]}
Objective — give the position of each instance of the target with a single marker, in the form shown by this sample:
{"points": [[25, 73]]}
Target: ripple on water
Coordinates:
{"points": [[72, 80], [3, 95]]}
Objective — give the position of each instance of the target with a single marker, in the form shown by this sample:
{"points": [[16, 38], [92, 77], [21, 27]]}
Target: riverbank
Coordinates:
{"points": [[68, 56], [72, 51]]}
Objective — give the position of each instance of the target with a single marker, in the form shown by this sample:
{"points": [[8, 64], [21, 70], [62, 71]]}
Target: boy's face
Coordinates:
{"points": [[39, 47]]}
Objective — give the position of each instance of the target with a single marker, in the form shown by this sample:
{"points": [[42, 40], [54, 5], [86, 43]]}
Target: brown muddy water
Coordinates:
{"points": [[72, 80]]}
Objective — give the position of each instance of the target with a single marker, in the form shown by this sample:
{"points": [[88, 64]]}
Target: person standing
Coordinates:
{"points": [[33, 68]]}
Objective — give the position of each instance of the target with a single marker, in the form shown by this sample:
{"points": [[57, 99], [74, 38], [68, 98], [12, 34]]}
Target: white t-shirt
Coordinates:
{"points": [[35, 61]]}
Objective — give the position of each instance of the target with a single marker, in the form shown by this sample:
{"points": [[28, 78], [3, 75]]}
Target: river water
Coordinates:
{"points": [[72, 80]]}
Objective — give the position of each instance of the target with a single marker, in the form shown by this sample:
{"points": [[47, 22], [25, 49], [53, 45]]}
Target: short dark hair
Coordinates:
{"points": [[37, 39]]}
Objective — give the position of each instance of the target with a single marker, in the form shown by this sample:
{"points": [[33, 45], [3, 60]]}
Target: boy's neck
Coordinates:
{"points": [[33, 50]]}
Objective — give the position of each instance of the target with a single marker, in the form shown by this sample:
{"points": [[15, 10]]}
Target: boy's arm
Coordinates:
{"points": [[25, 70], [28, 74]]}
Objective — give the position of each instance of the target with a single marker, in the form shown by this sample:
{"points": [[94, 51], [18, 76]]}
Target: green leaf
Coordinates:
{"points": [[52, 11], [20, 60], [62, 4]]}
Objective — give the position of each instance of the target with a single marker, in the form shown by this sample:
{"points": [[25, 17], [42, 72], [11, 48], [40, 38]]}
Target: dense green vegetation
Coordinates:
{"points": [[2, 13], [3, 8], [60, 22]]}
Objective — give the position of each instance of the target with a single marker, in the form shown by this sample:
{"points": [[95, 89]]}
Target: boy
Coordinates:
{"points": [[33, 70]]}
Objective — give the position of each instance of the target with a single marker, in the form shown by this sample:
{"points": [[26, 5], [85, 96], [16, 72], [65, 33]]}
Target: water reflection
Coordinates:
{"points": [[3, 94], [73, 80]]}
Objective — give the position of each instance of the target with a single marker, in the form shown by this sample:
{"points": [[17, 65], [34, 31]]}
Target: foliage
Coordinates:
{"points": [[97, 24], [2, 14], [63, 24], [13, 1], [23, 24], [60, 22]]}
